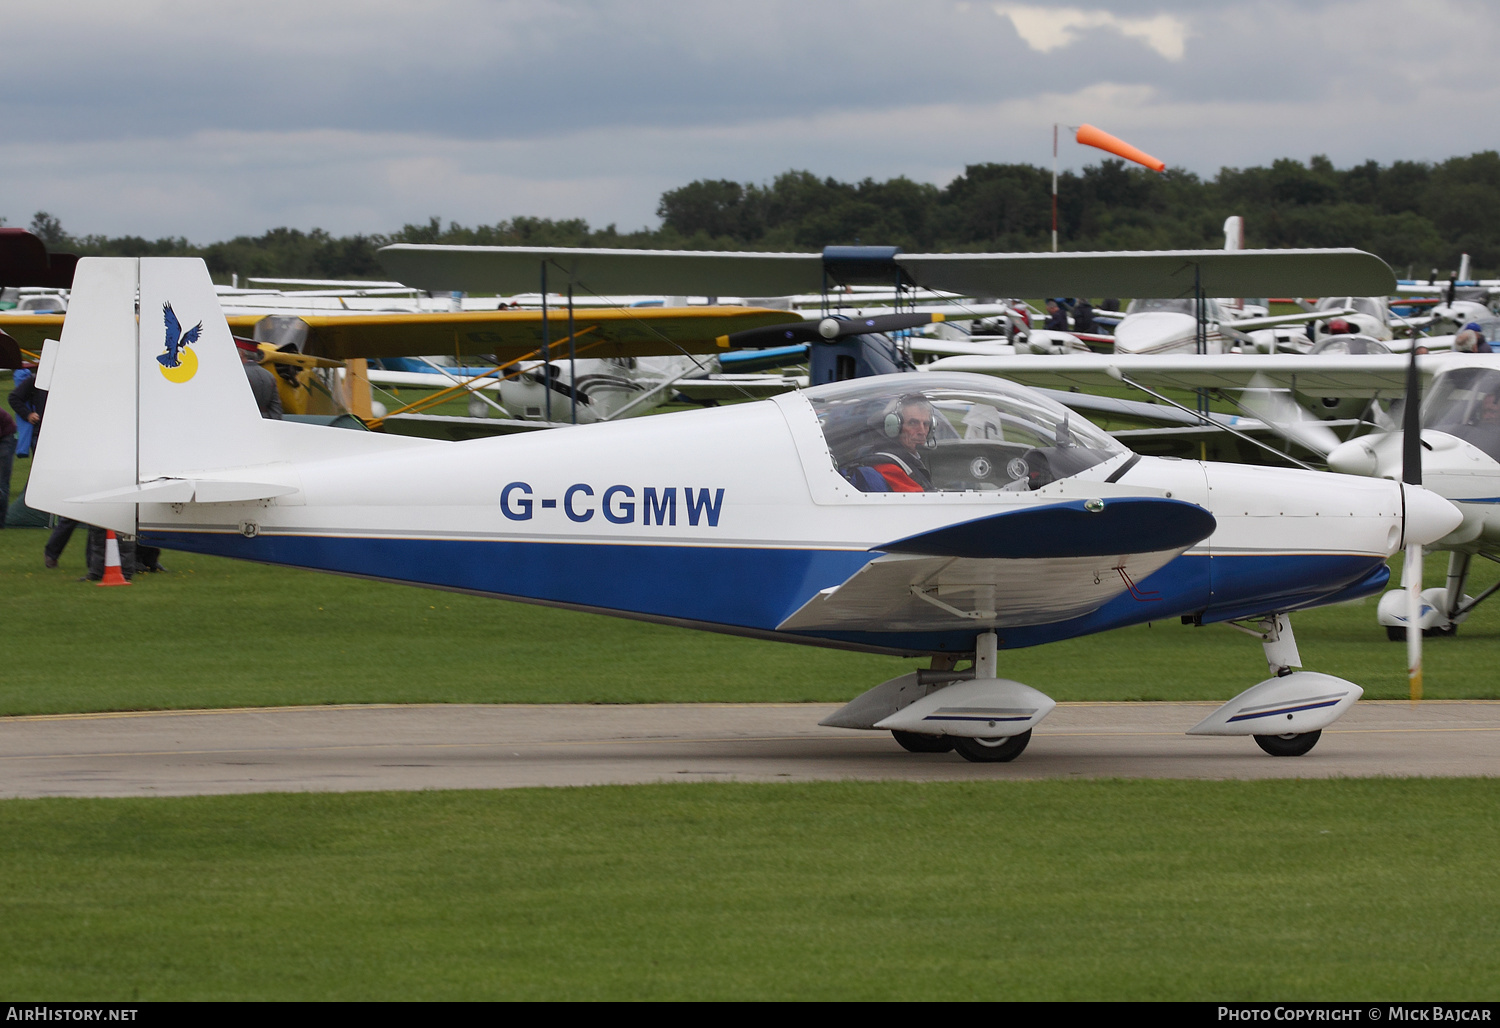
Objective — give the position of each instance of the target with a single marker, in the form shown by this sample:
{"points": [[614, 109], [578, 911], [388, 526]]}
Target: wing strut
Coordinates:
{"points": [[1119, 376]]}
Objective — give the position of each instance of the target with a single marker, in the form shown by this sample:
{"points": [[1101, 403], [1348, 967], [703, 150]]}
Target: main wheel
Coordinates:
{"points": [[916, 742], [992, 751], [1288, 745]]}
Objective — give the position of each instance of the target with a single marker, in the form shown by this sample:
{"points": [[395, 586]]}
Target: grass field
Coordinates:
{"points": [[215, 633], [1073, 890]]}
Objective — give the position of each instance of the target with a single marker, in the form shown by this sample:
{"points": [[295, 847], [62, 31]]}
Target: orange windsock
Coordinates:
{"points": [[1090, 136]]}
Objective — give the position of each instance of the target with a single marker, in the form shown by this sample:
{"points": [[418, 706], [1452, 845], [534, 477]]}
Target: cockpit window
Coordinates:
{"points": [[1360, 304], [1349, 344], [1211, 309], [1465, 403], [1167, 306], [948, 433]]}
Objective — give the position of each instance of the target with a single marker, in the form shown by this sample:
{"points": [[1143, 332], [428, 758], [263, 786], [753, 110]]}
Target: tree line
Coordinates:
{"points": [[1418, 216]]}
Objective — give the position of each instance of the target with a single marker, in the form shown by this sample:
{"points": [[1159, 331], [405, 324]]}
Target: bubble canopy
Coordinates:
{"points": [[953, 433], [1465, 402]]}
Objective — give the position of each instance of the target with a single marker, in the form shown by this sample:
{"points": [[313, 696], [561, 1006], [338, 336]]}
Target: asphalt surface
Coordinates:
{"points": [[360, 748]]}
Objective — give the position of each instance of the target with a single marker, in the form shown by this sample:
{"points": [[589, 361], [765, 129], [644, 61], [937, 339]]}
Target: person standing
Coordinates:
{"points": [[262, 384], [1083, 316], [7, 461], [30, 403]]}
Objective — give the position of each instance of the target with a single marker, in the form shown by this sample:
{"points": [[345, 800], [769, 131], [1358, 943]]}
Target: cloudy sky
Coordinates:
{"points": [[183, 117]]}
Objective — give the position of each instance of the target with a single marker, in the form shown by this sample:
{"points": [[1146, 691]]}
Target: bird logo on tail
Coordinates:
{"points": [[178, 363]]}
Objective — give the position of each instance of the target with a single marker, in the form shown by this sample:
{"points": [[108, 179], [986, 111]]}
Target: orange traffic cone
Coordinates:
{"points": [[112, 573]]}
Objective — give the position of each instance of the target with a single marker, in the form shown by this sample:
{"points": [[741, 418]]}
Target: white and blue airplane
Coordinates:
{"points": [[778, 519]]}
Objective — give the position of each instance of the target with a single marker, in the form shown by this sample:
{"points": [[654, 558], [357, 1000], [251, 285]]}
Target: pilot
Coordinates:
{"points": [[1057, 318], [1489, 409], [1339, 327], [894, 463], [1471, 340]]}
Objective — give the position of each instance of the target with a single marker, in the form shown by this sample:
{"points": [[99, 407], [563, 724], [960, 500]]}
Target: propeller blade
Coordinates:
{"points": [[1411, 474], [1413, 580], [826, 330], [1411, 425], [1287, 418]]}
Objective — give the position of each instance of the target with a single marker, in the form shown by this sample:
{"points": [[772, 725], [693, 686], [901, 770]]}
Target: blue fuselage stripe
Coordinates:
{"points": [[755, 589], [1279, 711]]}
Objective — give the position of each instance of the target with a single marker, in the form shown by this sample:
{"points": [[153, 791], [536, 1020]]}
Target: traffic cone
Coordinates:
{"points": [[112, 573]]}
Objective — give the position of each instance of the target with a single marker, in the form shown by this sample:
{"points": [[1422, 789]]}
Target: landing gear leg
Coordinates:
{"points": [[1280, 645], [1290, 698], [1458, 574], [1002, 748]]}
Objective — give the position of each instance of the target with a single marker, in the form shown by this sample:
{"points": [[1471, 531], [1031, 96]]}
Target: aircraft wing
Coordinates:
{"points": [[1333, 375], [1032, 566], [601, 332], [29, 330], [1160, 273], [1252, 324]]}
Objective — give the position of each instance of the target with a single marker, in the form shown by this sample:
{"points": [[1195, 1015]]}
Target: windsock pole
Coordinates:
{"points": [[112, 573]]}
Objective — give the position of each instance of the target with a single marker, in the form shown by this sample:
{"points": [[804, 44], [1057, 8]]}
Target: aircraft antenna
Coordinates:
{"points": [[546, 340]]}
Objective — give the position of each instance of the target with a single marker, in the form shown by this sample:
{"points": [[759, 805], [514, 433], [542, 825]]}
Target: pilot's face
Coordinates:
{"points": [[916, 426]]}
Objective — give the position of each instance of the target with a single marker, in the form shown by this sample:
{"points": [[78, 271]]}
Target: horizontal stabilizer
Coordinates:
{"points": [[1077, 528], [189, 490]]}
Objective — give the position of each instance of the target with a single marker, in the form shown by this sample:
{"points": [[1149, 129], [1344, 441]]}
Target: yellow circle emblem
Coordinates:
{"points": [[186, 368]]}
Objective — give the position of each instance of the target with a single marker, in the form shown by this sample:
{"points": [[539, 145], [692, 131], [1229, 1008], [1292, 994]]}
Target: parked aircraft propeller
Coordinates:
{"points": [[1411, 474], [828, 329], [1287, 417]]}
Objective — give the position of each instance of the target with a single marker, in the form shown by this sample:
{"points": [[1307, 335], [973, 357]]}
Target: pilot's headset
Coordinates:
{"points": [[892, 421]]}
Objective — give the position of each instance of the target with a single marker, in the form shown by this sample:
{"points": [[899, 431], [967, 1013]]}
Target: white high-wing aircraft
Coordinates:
{"points": [[606, 388], [1172, 324], [1168, 326], [779, 519], [1460, 433]]}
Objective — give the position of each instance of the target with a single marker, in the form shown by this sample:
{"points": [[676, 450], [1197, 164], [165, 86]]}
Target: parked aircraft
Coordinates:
{"points": [[1031, 525]]}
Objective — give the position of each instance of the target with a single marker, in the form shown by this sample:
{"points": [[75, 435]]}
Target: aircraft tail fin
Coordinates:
{"points": [[147, 385], [1234, 232]]}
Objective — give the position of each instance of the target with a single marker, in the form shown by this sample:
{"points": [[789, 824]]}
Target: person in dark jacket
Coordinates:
{"points": [[1083, 316], [30, 404], [7, 460], [262, 384]]}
